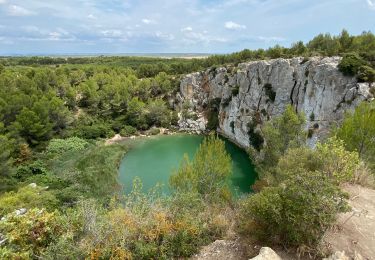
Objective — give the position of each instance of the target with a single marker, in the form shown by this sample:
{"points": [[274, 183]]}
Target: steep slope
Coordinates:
{"points": [[253, 92]]}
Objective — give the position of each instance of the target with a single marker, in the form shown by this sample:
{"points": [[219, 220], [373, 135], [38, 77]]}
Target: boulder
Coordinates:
{"points": [[267, 253]]}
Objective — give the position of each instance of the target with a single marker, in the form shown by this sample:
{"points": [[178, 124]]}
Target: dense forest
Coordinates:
{"points": [[59, 194]]}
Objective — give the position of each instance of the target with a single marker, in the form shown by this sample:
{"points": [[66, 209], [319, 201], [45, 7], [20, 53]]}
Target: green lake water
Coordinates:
{"points": [[153, 160]]}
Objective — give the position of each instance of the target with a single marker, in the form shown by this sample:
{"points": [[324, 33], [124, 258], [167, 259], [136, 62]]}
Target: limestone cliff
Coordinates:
{"points": [[257, 91]]}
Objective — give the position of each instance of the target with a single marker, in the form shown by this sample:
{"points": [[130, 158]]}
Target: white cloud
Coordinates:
{"points": [[165, 36], [371, 4], [148, 21], [91, 16], [16, 10], [2, 2], [187, 29], [234, 26], [111, 33]]}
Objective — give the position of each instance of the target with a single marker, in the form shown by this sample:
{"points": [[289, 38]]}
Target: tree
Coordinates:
{"points": [[281, 133], [358, 131], [208, 172], [158, 113], [136, 113], [6, 169], [346, 41], [33, 127]]}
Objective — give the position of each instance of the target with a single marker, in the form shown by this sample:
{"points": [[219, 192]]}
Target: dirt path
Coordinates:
{"points": [[355, 232]]}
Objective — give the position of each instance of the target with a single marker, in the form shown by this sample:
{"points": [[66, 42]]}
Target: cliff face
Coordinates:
{"points": [[257, 91]]}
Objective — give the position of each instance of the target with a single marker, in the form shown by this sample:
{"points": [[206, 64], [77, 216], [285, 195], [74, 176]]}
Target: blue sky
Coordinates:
{"points": [[154, 26]]}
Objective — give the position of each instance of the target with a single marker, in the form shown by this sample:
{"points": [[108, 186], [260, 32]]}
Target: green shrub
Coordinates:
{"points": [[28, 235], [60, 146], [128, 130], [27, 197], [366, 74], [358, 131], [94, 131], [350, 64], [154, 131], [296, 213]]}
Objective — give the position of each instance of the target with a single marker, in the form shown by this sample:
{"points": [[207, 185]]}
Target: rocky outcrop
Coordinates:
{"points": [[254, 92], [266, 253]]}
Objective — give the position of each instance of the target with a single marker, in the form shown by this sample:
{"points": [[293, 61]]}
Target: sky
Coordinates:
{"points": [[172, 26]]}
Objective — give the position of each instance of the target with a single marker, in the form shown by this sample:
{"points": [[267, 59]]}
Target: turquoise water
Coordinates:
{"points": [[154, 159]]}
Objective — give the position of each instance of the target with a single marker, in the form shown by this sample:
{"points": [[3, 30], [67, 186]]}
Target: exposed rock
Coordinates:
{"points": [[33, 185], [20, 212], [256, 91], [338, 256], [267, 253]]}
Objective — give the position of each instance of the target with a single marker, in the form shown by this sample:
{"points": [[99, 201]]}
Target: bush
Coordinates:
{"points": [[128, 130], [358, 131], [94, 131], [60, 146], [350, 64], [28, 235], [153, 131], [296, 213], [27, 197], [366, 74]]}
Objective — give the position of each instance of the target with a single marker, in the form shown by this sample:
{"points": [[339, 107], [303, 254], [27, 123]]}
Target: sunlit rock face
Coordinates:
{"points": [[254, 92]]}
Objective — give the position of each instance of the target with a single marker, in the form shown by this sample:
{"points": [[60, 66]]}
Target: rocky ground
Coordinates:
{"points": [[355, 230], [353, 237]]}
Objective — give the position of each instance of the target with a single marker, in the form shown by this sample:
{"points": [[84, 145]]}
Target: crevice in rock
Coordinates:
{"points": [[291, 93], [299, 87]]}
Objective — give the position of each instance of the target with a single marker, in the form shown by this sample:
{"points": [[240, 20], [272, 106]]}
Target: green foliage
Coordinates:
{"points": [[28, 235], [89, 173], [60, 146], [154, 131], [350, 64], [358, 131], [208, 172], [296, 213], [27, 197], [329, 158], [280, 134], [158, 114], [338, 163], [366, 74], [142, 226], [128, 130], [6, 182]]}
